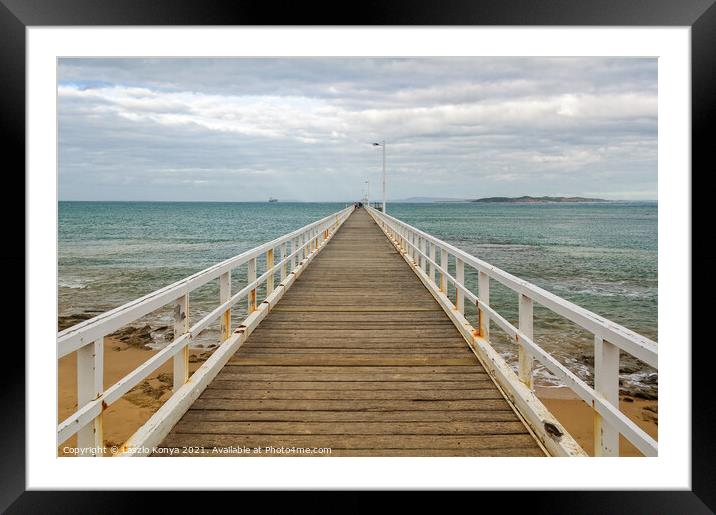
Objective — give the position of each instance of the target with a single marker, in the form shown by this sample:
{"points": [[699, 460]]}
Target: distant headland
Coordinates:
{"points": [[525, 199], [537, 200]]}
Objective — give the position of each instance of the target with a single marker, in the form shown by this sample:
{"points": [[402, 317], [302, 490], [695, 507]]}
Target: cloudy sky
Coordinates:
{"points": [[301, 129]]}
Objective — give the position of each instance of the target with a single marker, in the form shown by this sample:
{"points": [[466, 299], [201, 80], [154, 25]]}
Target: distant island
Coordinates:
{"points": [[536, 200]]}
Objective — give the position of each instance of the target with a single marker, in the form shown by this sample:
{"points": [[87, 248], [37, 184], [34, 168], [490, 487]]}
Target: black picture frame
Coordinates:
{"points": [[699, 15]]}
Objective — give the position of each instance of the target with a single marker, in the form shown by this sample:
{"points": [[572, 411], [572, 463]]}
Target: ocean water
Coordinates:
{"points": [[602, 257]]}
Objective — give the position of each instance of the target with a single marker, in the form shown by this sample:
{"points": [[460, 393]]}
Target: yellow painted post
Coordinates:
{"points": [[483, 293], [225, 295], [251, 277], [269, 277]]}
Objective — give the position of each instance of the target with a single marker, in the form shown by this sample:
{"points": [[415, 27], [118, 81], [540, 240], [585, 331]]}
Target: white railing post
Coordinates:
{"points": [[423, 262], [283, 261], [416, 255], [90, 378], [432, 261], [269, 277], [460, 279], [225, 295], [294, 246], [181, 326], [443, 270], [483, 293], [606, 382], [526, 318], [251, 277]]}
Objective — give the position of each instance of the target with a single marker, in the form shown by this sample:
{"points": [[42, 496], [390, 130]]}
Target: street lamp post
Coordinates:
{"points": [[382, 144]]}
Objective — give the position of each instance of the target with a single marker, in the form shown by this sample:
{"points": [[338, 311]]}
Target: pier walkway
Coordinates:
{"points": [[356, 338], [358, 357]]}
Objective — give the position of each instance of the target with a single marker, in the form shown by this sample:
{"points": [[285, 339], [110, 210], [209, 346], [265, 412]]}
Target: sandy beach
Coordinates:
{"points": [[577, 417], [125, 416]]}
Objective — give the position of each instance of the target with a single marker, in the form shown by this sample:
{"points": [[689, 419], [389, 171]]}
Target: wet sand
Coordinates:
{"points": [[578, 419]]}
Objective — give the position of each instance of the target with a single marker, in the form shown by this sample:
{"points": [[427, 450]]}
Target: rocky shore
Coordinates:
{"points": [[636, 379]]}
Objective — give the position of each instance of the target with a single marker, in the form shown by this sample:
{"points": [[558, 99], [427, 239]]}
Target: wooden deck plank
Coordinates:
{"points": [[352, 416], [354, 361], [380, 452], [352, 385], [511, 441], [349, 428], [342, 376], [358, 357], [294, 368], [388, 352], [355, 405], [341, 395]]}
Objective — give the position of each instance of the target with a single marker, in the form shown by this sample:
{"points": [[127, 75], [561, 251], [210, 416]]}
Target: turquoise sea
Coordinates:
{"points": [[600, 256]]}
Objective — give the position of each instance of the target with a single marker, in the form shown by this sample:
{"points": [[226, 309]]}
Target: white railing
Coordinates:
{"points": [[86, 339], [429, 254]]}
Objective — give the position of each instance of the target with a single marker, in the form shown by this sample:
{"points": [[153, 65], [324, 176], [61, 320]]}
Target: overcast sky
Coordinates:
{"points": [[301, 129]]}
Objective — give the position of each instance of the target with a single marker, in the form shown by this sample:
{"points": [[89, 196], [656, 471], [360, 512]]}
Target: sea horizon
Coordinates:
{"points": [[401, 201]]}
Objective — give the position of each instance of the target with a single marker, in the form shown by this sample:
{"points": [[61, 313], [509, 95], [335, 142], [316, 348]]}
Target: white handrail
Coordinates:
{"points": [[609, 336], [86, 332], [87, 337]]}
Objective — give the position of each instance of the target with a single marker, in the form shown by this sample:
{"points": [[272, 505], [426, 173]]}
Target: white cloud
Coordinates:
{"points": [[458, 125]]}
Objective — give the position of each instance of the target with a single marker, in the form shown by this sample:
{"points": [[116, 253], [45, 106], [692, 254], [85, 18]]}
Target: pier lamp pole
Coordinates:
{"points": [[382, 144]]}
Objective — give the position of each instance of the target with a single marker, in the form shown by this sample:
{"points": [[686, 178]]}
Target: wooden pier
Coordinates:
{"points": [[355, 347], [360, 358]]}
